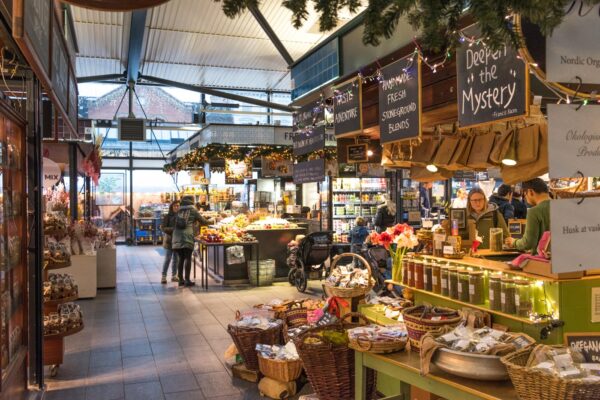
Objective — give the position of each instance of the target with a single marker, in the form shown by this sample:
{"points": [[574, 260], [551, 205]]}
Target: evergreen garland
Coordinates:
{"points": [[436, 20]]}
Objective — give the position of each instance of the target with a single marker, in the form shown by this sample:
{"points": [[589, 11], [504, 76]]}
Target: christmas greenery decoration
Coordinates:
{"points": [[196, 158], [436, 20]]}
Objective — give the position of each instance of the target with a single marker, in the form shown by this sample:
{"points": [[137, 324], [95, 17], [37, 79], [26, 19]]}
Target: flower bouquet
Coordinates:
{"points": [[397, 240]]}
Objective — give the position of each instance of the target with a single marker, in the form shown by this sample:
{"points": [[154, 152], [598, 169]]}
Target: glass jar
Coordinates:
{"points": [[523, 297], [476, 287], [453, 282], [507, 296], [405, 263], [436, 278], [495, 292], [463, 285], [428, 275], [439, 237], [444, 280], [411, 272], [419, 281]]}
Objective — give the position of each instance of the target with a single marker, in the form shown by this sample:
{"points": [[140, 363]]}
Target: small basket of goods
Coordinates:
{"points": [[422, 319], [553, 373], [252, 329], [281, 363], [471, 353], [378, 339], [57, 256], [347, 280]]}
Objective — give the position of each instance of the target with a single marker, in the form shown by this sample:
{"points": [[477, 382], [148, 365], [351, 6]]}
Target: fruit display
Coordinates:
{"points": [[271, 223], [226, 236]]}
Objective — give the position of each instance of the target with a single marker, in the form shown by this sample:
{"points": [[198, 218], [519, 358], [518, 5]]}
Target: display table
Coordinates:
{"points": [[106, 265], [212, 257], [273, 245], [84, 269], [403, 369]]}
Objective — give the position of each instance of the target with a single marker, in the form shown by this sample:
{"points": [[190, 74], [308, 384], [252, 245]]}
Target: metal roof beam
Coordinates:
{"points": [[214, 92], [264, 24], [136, 40], [100, 78]]}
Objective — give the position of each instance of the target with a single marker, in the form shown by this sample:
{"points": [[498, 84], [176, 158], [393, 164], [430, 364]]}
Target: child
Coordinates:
{"points": [[358, 234]]}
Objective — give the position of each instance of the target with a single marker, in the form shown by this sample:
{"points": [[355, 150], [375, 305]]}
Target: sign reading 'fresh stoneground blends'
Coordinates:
{"points": [[492, 84]]}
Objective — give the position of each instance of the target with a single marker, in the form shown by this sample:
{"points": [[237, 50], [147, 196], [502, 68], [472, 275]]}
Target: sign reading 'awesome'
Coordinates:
{"points": [[347, 108], [492, 84], [400, 100]]}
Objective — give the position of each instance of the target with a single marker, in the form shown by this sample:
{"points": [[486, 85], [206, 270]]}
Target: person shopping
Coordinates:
{"points": [[518, 203], [183, 237], [358, 234], [461, 199], [385, 216], [538, 217], [168, 225], [485, 216], [503, 199]]}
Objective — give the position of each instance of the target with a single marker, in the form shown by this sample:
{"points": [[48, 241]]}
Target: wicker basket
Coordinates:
{"points": [[280, 370], [417, 326], [330, 368], [532, 384], [377, 347], [347, 293], [246, 339], [295, 316]]}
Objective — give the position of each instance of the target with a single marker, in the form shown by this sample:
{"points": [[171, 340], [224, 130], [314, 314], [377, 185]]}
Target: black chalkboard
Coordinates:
{"points": [[357, 153], [307, 116], [31, 29], [309, 140], [347, 108], [400, 100], [73, 101], [588, 343], [493, 85], [60, 66], [309, 171]]}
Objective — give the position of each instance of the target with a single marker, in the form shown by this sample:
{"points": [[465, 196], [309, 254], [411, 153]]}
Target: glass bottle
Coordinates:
{"points": [[405, 263], [411, 272], [476, 287], [419, 281], [495, 292], [507, 296], [436, 278], [463, 285], [444, 280], [523, 297], [428, 275], [453, 282]]}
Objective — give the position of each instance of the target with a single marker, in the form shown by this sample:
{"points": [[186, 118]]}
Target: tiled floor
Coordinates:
{"points": [[147, 341]]}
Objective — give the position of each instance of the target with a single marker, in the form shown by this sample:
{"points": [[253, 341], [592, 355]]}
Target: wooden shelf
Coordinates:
{"points": [[65, 334], [47, 267], [57, 302]]}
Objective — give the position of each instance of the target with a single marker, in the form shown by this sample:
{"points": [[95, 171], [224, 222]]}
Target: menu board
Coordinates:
{"points": [[400, 100], [73, 101], [357, 153], [60, 66], [309, 171], [347, 108], [309, 140], [31, 30], [493, 85], [306, 117], [588, 343]]}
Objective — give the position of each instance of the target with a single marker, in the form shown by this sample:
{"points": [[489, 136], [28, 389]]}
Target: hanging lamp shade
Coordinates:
{"points": [[116, 5]]}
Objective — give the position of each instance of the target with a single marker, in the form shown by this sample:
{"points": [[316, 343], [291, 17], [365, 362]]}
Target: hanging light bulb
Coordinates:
{"points": [[510, 159], [431, 168], [369, 153]]}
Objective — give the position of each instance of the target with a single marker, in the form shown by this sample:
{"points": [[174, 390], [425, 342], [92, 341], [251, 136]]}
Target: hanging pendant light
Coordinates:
{"points": [[510, 158], [116, 5]]}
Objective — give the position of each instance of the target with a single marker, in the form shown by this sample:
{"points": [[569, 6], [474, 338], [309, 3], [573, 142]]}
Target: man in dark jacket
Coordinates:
{"points": [[167, 226], [518, 204], [503, 201], [183, 237]]}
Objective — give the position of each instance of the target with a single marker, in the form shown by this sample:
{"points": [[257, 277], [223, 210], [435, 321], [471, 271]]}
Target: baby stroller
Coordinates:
{"points": [[311, 255], [377, 256]]}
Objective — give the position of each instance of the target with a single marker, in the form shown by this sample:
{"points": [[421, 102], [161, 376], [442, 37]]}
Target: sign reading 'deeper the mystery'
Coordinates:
{"points": [[574, 227], [309, 171], [492, 84], [347, 108], [573, 140], [572, 48], [400, 100], [309, 140]]}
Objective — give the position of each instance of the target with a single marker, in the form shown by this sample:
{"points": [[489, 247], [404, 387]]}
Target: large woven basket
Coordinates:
{"points": [[280, 370], [532, 384], [349, 292], [417, 325], [377, 347], [295, 316], [330, 368], [246, 339]]}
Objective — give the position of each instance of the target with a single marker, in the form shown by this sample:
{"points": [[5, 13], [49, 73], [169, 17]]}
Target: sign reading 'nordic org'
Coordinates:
{"points": [[492, 84], [309, 140], [347, 108], [400, 100]]}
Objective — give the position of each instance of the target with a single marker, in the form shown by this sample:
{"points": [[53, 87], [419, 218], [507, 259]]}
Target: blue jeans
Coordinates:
{"points": [[170, 255]]}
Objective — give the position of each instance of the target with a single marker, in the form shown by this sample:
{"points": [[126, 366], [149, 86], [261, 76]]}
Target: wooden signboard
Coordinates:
{"points": [[588, 343], [347, 108], [493, 85], [31, 30], [357, 153], [400, 100], [309, 171], [309, 140]]}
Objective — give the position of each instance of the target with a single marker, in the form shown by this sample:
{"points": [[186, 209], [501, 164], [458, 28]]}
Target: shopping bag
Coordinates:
{"points": [[446, 150], [501, 146], [526, 171], [479, 156], [528, 144], [461, 155]]}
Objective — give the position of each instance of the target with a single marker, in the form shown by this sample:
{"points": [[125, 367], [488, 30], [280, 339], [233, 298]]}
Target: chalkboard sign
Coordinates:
{"points": [[586, 342], [31, 30], [309, 171], [306, 117], [60, 66], [357, 153], [400, 100], [309, 140], [347, 108], [493, 85], [516, 227]]}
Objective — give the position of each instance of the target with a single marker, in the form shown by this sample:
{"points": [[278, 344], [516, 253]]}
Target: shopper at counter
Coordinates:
{"points": [[503, 200], [183, 237], [168, 225], [485, 216], [385, 216], [424, 198], [538, 217], [518, 203]]}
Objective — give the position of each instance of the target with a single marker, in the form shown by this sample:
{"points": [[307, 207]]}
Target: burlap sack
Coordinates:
{"points": [[526, 171], [423, 154], [479, 156], [421, 174], [461, 154], [446, 151], [528, 144], [501, 146]]}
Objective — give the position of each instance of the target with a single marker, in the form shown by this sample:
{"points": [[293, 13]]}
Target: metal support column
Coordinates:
{"points": [[88, 198], [73, 181], [131, 220]]}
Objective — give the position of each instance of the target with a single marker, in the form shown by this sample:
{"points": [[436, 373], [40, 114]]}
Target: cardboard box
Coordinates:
{"points": [[240, 371], [545, 269]]}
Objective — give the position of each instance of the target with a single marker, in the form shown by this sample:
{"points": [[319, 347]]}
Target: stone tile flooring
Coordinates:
{"points": [[147, 341]]}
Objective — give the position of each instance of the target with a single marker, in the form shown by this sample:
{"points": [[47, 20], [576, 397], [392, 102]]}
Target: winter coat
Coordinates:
{"points": [[383, 219], [358, 234], [520, 208], [167, 227], [184, 238], [504, 206], [492, 218]]}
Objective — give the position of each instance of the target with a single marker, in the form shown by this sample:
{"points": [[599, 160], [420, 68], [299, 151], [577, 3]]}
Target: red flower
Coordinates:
{"points": [[374, 236], [385, 239]]}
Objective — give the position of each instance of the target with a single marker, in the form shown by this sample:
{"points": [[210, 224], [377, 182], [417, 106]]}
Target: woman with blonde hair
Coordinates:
{"points": [[485, 216]]}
